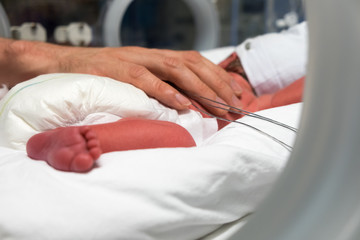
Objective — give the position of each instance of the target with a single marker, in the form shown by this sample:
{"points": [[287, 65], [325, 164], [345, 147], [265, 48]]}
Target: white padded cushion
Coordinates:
{"points": [[56, 100]]}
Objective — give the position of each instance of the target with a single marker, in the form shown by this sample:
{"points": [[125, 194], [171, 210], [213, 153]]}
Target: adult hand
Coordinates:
{"points": [[147, 69]]}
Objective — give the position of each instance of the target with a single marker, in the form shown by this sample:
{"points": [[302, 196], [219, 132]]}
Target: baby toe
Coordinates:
{"points": [[95, 152], [82, 163], [93, 143], [90, 134]]}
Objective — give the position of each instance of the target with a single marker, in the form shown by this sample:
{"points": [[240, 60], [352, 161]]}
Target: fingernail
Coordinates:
{"points": [[182, 100], [236, 102], [236, 87], [223, 102]]}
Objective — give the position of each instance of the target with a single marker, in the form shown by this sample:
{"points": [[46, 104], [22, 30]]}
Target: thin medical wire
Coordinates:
{"points": [[254, 116], [286, 146], [243, 112]]}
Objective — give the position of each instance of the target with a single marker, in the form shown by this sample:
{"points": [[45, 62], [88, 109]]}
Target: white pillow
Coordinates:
{"points": [[57, 100]]}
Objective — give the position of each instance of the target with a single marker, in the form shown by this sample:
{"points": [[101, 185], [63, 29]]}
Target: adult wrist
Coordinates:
{"points": [[31, 59], [11, 52]]}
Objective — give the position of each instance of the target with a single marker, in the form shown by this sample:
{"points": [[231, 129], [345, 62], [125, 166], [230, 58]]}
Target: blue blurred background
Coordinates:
{"points": [[156, 23]]}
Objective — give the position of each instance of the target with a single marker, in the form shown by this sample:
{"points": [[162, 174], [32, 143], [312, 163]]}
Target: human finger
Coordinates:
{"points": [[109, 62], [142, 78], [170, 67], [215, 77], [221, 72]]}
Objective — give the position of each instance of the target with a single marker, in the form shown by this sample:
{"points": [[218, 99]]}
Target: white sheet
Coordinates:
{"points": [[146, 194]]}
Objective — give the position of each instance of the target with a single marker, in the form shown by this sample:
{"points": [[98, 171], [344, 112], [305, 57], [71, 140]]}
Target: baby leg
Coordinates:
{"points": [[136, 133], [76, 148]]}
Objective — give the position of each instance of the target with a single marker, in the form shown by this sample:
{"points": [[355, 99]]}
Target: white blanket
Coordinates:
{"points": [[175, 193]]}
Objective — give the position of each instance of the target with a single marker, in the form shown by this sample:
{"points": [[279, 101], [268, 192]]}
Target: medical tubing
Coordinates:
{"points": [[244, 112], [286, 146], [250, 114]]}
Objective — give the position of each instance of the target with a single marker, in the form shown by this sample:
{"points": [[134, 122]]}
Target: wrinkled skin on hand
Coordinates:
{"points": [[154, 71]]}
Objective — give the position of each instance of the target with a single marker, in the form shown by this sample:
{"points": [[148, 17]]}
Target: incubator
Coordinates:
{"points": [[317, 197], [170, 24]]}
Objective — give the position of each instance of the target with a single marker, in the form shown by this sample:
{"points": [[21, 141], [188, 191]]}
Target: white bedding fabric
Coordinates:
{"points": [[177, 193], [273, 61], [203, 192], [58, 100]]}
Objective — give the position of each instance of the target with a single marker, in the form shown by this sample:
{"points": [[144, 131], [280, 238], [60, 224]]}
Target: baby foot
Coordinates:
{"points": [[67, 149]]}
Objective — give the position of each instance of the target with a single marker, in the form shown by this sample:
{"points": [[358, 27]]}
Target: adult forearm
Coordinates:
{"points": [[22, 60], [148, 69]]}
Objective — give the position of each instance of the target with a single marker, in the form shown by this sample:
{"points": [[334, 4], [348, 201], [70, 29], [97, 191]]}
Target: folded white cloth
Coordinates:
{"points": [[58, 100], [273, 61]]}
